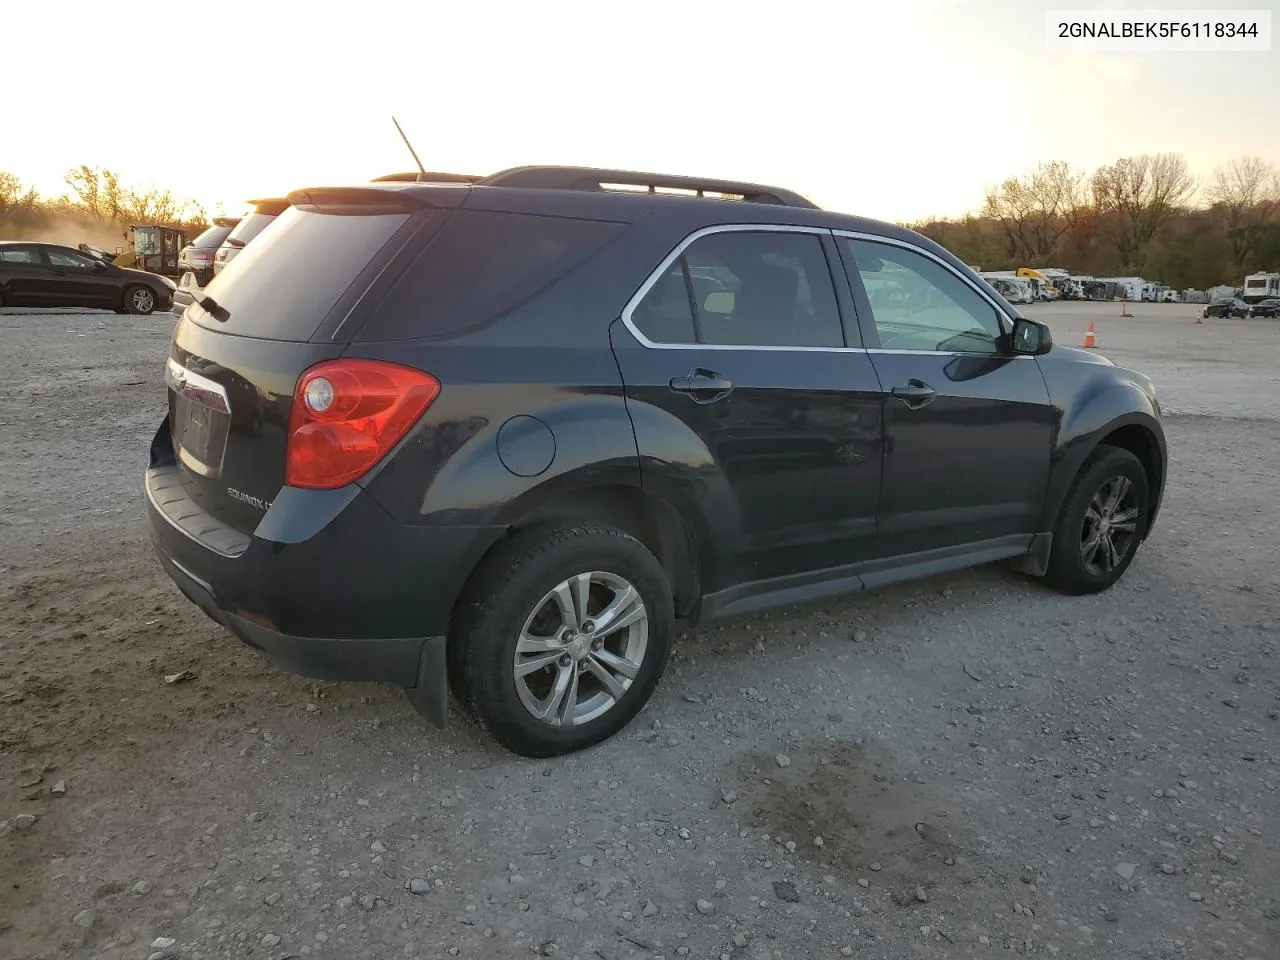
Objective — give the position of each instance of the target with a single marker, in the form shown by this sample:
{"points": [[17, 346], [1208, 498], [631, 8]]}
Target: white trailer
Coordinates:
{"points": [[1130, 288], [1260, 286]]}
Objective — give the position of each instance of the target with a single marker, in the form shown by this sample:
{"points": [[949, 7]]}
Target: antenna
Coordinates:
{"points": [[422, 171]]}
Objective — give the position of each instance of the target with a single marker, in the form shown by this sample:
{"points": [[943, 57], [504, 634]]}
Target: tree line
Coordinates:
{"points": [[1140, 216], [95, 204]]}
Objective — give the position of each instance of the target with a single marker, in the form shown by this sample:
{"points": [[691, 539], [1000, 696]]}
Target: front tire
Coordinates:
{"points": [[140, 300], [562, 639], [1101, 524]]}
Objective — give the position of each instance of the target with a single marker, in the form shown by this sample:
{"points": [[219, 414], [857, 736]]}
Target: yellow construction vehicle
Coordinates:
{"points": [[152, 248]]}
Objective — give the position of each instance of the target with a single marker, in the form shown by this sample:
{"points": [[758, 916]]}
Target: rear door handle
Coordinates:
{"points": [[915, 393], [704, 386]]}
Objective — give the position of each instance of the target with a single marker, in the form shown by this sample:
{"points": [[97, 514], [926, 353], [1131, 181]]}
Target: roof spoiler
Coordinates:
{"points": [[356, 200], [274, 205]]}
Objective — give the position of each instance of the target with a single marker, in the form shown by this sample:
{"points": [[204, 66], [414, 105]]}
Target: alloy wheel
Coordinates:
{"points": [[143, 300], [581, 648], [1110, 526]]}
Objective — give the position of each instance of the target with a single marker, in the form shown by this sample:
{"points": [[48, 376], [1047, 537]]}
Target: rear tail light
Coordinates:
{"points": [[347, 415]]}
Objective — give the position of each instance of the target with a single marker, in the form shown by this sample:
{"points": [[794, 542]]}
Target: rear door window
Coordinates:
{"points": [[212, 237], [248, 228], [745, 288], [282, 286], [478, 267]]}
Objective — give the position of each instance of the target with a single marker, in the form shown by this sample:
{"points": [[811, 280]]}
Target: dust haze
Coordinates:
{"points": [[68, 229]]}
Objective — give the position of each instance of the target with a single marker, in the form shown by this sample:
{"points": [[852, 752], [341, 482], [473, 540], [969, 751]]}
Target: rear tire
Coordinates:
{"points": [[139, 299], [562, 638], [1101, 524]]}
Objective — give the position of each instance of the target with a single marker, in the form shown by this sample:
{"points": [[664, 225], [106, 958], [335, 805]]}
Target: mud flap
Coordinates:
{"points": [[430, 697], [1036, 560]]}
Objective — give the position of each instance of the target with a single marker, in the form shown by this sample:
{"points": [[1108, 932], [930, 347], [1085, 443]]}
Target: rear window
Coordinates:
{"points": [[249, 227], [211, 238], [480, 266], [282, 286]]}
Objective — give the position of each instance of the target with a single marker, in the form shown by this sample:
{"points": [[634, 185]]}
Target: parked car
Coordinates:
{"points": [[195, 262], [1265, 308], [263, 213], [501, 442], [1227, 307], [51, 275], [197, 256]]}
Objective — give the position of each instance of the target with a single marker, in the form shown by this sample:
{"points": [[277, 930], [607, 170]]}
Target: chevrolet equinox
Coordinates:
{"points": [[497, 437]]}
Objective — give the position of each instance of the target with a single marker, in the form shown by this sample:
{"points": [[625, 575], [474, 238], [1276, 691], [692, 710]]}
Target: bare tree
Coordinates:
{"points": [[15, 201], [1036, 211], [1141, 194], [95, 191], [154, 205], [99, 194], [1246, 194]]}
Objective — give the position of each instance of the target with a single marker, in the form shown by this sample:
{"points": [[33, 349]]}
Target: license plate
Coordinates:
{"points": [[201, 420], [200, 436]]}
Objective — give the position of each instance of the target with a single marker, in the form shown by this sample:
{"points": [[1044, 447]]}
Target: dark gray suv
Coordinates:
{"points": [[498, 436]]}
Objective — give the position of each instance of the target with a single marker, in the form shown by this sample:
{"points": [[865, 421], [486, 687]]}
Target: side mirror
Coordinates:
{"points": [[1031, 337], [99, 265]]}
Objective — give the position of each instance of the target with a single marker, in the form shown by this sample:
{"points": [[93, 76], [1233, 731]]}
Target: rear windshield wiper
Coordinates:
{"points": [[214, 309]]}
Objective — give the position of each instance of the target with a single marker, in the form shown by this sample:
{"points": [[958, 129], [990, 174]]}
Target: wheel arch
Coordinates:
{"points": [[650, 519], [1137, 431]]}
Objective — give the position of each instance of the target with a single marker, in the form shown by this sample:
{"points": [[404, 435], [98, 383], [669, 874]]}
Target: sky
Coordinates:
{"points": [[900, 110]]}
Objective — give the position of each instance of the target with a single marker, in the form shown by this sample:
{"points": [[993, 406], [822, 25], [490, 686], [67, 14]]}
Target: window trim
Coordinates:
{"points": [[860, 297], [696, 235]]}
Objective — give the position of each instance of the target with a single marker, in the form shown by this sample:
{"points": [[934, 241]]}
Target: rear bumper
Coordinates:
{"points": [[181, 300], [190, 285], [384, 660], [328, 586]]}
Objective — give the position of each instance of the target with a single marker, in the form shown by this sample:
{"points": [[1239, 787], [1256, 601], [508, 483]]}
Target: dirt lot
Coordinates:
{"points": [[970, 766]]}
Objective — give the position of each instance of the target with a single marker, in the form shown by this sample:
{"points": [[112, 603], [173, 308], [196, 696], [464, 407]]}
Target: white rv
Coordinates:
{"points": [[1260, 286], [1013, 288]]}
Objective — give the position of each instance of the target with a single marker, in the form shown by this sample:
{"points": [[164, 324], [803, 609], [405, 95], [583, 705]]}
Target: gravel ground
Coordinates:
{"points": [[963, 767]]}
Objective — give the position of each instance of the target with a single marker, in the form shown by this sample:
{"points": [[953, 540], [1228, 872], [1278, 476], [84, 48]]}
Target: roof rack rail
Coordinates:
{"points": [[591, 178], [427, 177]]}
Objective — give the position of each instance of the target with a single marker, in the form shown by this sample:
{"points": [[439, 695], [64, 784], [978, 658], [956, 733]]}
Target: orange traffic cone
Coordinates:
{"points": [[1124, 308], [1090, 341]]}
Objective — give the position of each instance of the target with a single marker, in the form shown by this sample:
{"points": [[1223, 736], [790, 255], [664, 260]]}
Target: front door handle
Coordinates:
{"points": [[704, 386], [915, 393]]}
